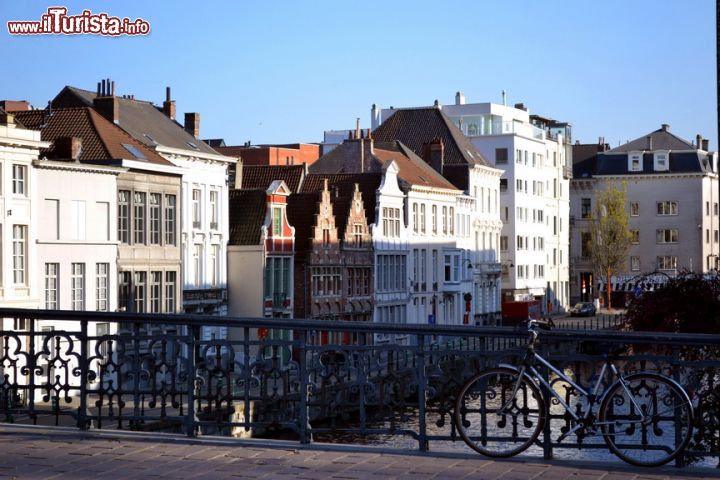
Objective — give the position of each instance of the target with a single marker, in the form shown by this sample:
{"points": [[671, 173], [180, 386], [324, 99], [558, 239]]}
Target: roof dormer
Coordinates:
{"points": [[635, 161], [661, 160]]}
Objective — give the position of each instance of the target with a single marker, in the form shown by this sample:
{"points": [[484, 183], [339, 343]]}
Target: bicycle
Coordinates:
{"points": [[645, 418]]}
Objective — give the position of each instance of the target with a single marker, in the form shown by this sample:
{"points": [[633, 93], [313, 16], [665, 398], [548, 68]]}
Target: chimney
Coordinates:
{"points": [[698, 141], [434, 154], [459, 98], [238, 174], [706, 144], [169, 105], [504, 97], [192, 124], [436, 104], [15, 105], [649, 142], [374, 116], [67, 148], [665, 127], [108, 107], [357, 128], [521, 106], [7, 118]]}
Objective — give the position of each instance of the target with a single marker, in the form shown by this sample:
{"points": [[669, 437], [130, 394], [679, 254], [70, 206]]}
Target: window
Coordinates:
{"points": [[585, 239], [518, 156], [214, 266], [19, 254], [667, 235], [101, 286], [170, 216], [197, 254], [325, 227], [214, 213], [667, 208], [101, 330], [635, 264], [501, 155], [715, 208], [416, 218], [77, 285], [503, 185], [277, 279], [19, 177], [422, 218], [434, 219], [634, 209], [357, 235], [666, 262], [635, 162], [51, 285], [635, 236], [434, 269], [139, 217], [423, 273], [124, 291], [452, 268], [277, 222], [503, 243], [585, 209], [391, 222], [155, 290], [196, 208], [170, 281], [392, 273], [518, 185], [452, 220], [140, 287], [77, 210], [661, 161], [155, 219], [444, 220], [707, 208]]}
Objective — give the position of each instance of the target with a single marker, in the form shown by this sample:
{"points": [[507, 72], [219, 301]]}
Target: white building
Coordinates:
{"points": [[18, 148], [204, 223], [534, 154], [467, 223]]}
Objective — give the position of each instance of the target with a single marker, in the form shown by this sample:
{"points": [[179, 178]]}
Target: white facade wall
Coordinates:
{"points": [[18, 148], [204, 233], [390, 241], [529, 269], [77, 225]]}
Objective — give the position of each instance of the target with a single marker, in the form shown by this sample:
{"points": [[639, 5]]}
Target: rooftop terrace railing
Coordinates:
{"points": [[306, 379]]}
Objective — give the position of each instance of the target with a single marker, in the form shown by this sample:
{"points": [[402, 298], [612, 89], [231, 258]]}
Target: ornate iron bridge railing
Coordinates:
{"points": [[306, 379]]}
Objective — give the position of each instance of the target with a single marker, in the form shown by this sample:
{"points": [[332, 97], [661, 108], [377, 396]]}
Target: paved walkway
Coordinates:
{"points": [[38, 453]]}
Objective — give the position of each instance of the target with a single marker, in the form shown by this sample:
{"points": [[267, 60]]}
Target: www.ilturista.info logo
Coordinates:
{"points": [[57, 22]]}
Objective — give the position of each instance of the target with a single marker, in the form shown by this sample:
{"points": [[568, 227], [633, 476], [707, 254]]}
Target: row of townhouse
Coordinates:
{"points": [[671, 187], [373, 232], [119, 207]]}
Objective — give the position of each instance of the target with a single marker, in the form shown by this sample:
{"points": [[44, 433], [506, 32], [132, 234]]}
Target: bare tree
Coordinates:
{"points": [[610, 236]]}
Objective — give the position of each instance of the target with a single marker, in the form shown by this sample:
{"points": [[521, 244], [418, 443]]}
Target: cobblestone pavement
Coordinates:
{"points": [[38, 453]]}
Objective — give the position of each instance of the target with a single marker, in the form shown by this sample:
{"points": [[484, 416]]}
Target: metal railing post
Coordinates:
{"points": [[305, 429], [193, 334], [84, 368], [422, 426]]}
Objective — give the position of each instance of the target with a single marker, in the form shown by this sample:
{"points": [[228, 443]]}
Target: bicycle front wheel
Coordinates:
{"points": [[648, 421], [498, 413]]}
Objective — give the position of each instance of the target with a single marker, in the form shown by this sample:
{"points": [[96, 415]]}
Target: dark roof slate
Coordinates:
{"points": [[247, 210], [261, 176], [416, 127], [662, 139], [141, 119], [609, 163]]}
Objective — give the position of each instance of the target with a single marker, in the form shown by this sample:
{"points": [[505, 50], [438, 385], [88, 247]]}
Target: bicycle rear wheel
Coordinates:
{"points": [[498, 413], [648, 422]]}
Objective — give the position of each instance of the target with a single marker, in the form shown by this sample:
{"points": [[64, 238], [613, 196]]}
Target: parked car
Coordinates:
{"points": [[583, 309]]}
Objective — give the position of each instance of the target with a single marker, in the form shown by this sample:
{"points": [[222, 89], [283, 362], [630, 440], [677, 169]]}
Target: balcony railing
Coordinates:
{"points": [[161, 372]]}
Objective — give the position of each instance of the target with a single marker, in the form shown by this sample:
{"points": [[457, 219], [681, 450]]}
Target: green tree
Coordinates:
{"points": [[610, 236]]}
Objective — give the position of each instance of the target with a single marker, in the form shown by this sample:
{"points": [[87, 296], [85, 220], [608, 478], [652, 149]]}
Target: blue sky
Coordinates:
{"points": [[284, 71]]}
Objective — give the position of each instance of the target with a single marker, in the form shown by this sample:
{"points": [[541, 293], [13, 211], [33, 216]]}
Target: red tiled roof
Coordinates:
{"points": [[101, 140], [247, 214], [261, 176]]}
